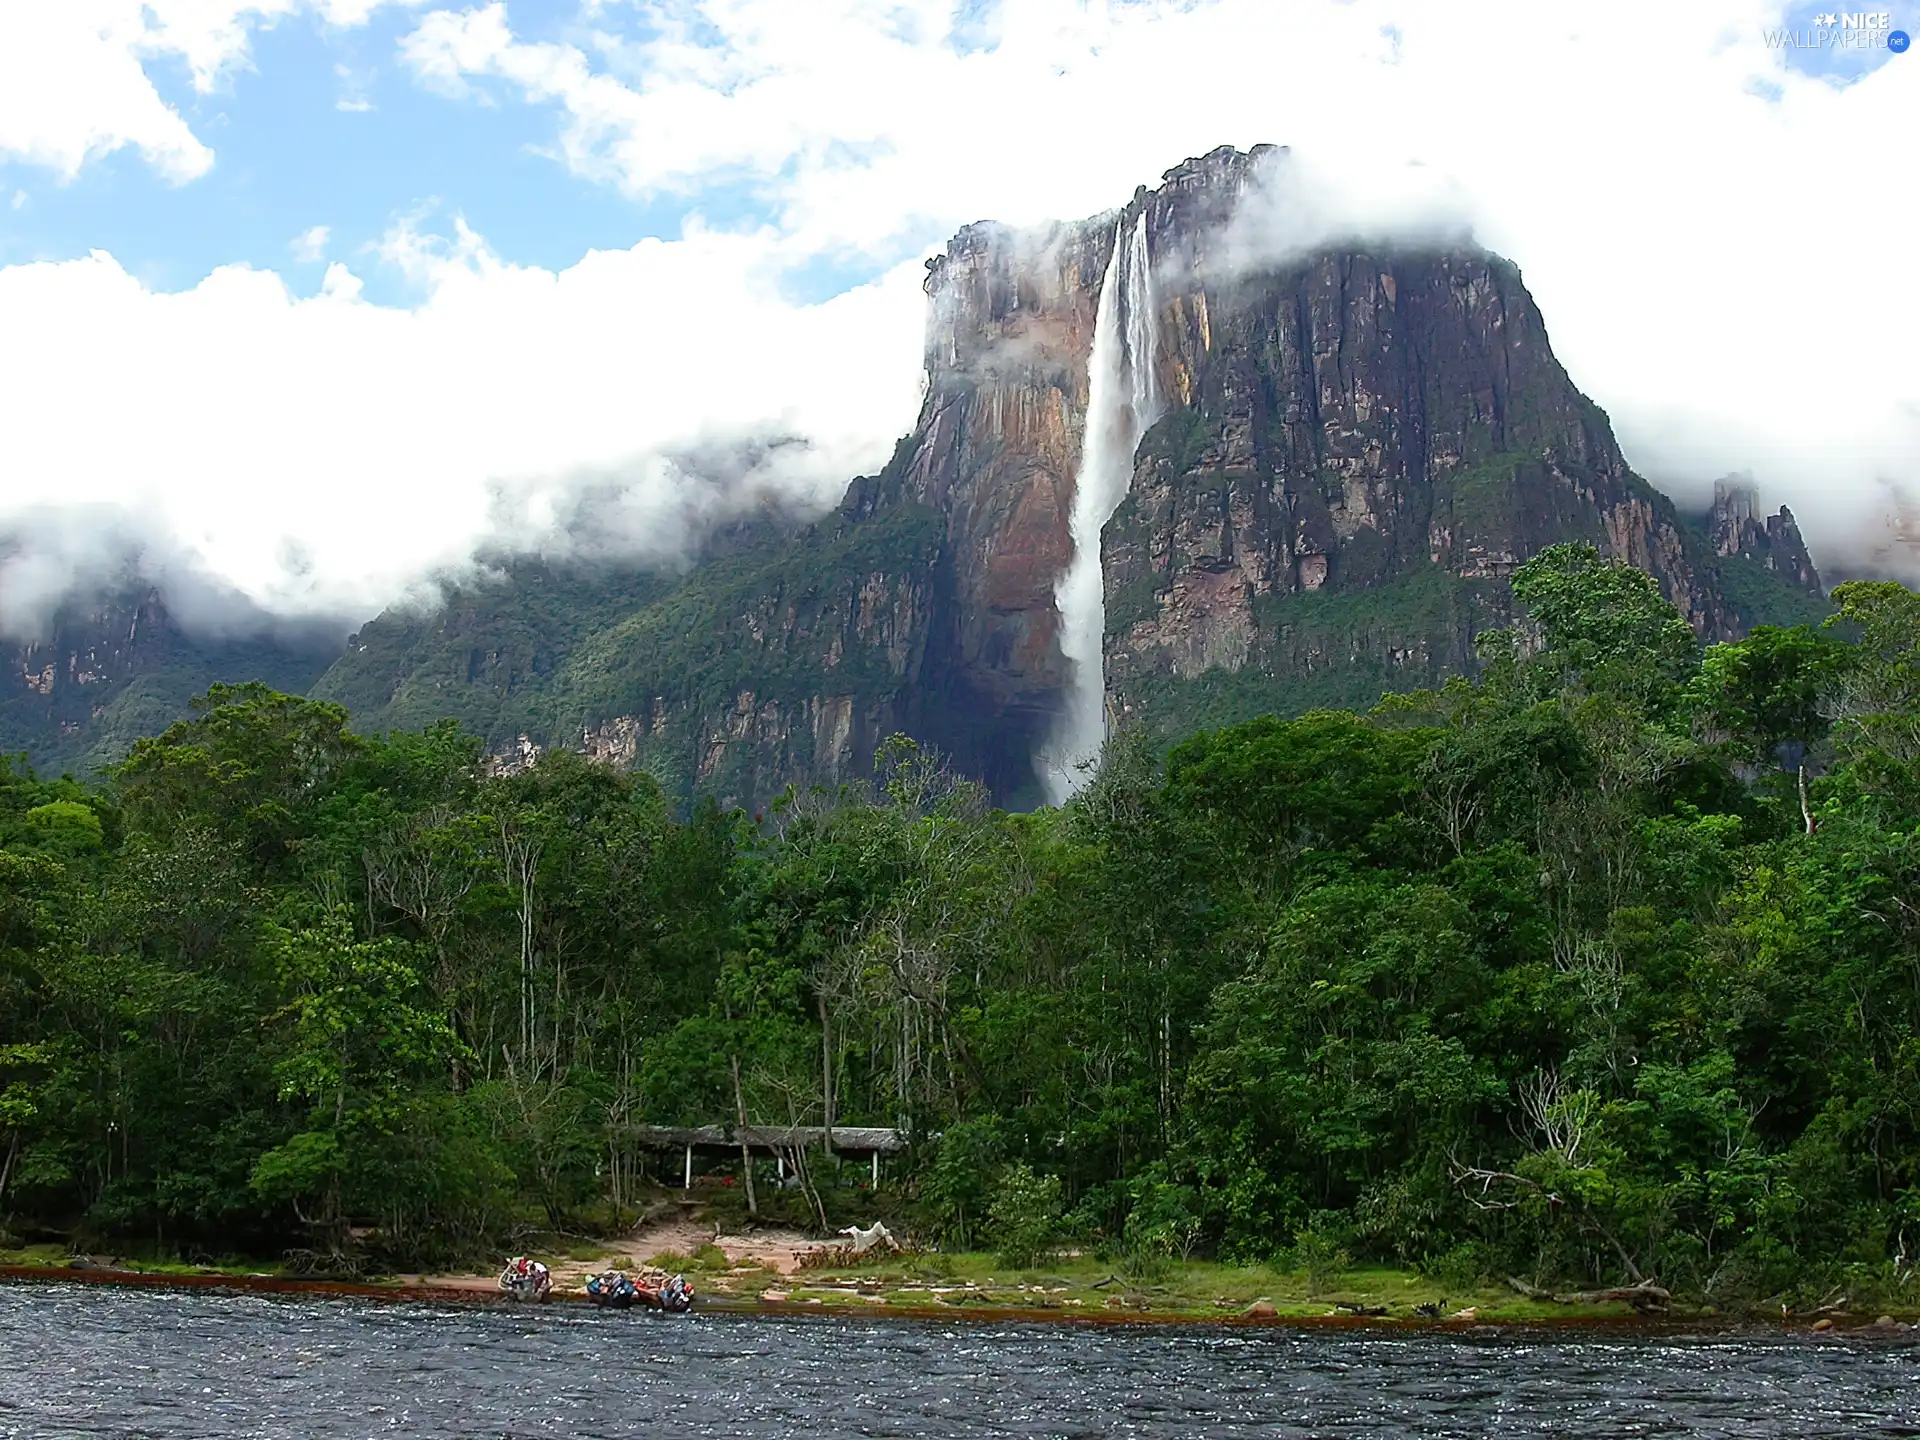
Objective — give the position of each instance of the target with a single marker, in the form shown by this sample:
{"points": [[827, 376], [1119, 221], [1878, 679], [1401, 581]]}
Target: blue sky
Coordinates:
{"points": [[323, 127], [1838, 59], [757, 182]]}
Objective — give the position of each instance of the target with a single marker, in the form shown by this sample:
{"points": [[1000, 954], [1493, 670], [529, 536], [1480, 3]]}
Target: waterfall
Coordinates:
{"points": [[1122, 401]]}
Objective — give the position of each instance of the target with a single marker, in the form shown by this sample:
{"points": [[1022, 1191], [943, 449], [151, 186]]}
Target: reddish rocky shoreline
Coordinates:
{"points": [[471, 1293]]}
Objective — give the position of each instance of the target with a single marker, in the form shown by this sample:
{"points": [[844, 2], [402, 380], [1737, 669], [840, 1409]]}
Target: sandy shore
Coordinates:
{"points": [[650, 1251], [653, 1245]]}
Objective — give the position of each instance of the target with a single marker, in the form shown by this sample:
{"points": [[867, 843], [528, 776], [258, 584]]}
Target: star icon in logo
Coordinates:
{"points": [[1828, 19]]}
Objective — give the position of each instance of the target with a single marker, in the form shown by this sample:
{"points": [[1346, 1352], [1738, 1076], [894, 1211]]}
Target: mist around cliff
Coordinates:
{"points": [[1301, 204], [75, 557], [656, 511], [324, 456]]}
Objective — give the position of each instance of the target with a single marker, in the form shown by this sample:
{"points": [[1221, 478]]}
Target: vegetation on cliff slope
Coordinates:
{"points": [[550, 653], [487, 654], [1594, 969], [140, 690], [786, 620]]}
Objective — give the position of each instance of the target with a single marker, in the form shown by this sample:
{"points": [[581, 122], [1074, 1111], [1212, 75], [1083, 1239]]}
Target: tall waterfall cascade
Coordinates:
{"points": [[1122, 402]]}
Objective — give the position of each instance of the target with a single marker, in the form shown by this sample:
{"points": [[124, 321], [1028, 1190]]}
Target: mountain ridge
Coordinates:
{"points": [[1359, 443]]}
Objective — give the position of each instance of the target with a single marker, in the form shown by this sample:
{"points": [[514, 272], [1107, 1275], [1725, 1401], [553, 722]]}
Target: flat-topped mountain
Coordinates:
{"points": [[1162, 468]]}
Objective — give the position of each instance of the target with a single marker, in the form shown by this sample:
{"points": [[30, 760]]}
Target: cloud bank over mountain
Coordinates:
{"points": [[322, 453], [1710, 231]]}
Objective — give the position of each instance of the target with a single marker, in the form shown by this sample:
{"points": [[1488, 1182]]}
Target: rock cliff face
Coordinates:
{"points": [[115, 665], [1010, 326], [1358, 446], [1736, 527]]}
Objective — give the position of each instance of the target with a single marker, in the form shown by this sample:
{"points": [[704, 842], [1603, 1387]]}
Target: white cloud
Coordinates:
{"points": [[320, 453], [310, 246], [19, 201], [349, 13], [72, 87], [353, 97], [74, 83]]}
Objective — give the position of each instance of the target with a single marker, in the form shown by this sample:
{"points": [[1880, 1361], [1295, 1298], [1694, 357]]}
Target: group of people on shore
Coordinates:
{"points": [[529, 1279]]}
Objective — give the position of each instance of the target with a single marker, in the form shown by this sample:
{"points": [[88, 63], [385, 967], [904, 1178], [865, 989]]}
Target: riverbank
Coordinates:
{"points": [[762, 1274], [1084, 1289]]}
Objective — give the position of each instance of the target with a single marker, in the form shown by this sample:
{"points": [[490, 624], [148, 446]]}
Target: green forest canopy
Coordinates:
{"points": [[1605, 965]]}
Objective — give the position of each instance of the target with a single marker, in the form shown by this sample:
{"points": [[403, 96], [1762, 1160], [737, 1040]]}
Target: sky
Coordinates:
{"points": [[319, 297]]}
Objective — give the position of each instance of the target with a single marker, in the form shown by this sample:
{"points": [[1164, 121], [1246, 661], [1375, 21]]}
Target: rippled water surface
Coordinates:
{"points": [[82, 1361]]}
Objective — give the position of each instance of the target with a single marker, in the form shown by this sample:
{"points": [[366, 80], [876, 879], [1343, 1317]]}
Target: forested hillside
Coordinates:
{"points": [[1602, 965]]}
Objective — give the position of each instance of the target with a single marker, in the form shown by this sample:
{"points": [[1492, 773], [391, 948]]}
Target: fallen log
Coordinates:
{"points": [[872, 1237], [1355, 1308], [1644, 1296]]}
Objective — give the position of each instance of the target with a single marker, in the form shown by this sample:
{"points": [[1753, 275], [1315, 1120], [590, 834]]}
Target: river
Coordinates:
{"points": [[83, 1360]]}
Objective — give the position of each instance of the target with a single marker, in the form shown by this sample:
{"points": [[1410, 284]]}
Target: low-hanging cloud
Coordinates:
{"points": [[321, 454], [659, 509], [1296, 205], [56, 557]]}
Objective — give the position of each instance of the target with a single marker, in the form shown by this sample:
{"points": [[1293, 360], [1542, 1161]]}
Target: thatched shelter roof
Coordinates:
{"points": [[852, 1139]]}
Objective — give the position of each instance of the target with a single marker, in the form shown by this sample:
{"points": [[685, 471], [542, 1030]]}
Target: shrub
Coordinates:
{"points": [[1459, 1270], [958, 1183], [933, 1265], [1023, 1216], [1163, 1223], [1321, 1258], [1144, 1265]]}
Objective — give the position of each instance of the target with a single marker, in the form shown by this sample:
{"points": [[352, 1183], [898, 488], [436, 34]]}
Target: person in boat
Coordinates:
{"points": [[526, 1279], [615, 1288]]}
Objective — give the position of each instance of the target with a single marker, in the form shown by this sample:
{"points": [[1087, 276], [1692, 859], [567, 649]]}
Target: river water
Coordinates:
{"points": [[79, 1360]]}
